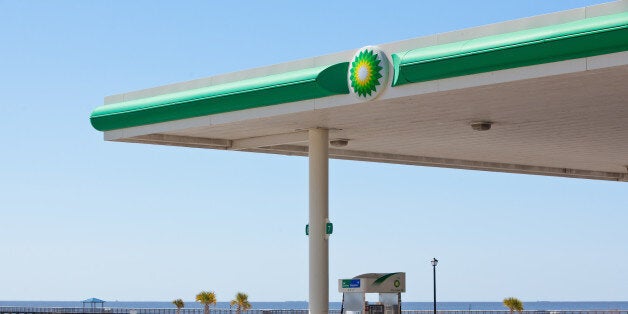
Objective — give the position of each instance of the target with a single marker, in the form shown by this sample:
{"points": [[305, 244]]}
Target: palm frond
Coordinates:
{"points": [[206, 297], [241, 301], [178, 303], [513, 304]]}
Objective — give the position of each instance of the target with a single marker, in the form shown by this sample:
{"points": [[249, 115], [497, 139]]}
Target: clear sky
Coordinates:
{"points": [[81, 217]]}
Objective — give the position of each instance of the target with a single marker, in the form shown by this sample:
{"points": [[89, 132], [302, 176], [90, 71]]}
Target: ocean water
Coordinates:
{"points": [[295, 305]]}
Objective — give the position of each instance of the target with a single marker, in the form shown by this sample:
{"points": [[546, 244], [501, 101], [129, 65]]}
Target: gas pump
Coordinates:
{"points": [[389, 286]]}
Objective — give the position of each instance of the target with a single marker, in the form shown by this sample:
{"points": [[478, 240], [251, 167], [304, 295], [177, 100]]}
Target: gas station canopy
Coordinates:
{"points": [[545, 95], [550, 89]]}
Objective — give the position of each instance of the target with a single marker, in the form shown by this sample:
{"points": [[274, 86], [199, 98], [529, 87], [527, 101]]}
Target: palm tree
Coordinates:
{"points": [[179, 304], [206, 298], [241, 301], [513, 304]]}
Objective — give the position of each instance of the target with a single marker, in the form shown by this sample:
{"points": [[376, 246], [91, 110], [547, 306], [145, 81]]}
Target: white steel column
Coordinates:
{"points": [[319, 212]]}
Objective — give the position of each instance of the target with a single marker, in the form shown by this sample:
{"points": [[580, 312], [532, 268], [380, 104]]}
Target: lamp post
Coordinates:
{"points": [[434, 263]]}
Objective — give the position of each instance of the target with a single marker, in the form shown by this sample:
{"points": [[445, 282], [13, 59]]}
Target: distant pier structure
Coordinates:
{"points": [[92, 305]]}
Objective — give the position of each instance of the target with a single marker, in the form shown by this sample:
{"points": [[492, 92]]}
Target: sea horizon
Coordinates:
{"points": [[294, 305]]}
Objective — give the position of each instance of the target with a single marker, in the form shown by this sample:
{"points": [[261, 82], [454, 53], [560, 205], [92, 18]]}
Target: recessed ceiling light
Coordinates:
{"points": [[481, 125], [339, 142]]}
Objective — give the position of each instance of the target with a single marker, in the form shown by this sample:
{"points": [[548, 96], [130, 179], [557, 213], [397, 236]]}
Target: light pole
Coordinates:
{"points": [[434, 263]]}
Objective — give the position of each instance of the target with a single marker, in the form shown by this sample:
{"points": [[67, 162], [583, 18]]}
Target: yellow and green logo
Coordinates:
{"points": [[365, 73], [368, 72]]}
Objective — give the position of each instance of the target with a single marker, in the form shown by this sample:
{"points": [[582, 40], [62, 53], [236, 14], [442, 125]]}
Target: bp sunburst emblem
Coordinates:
{"points": [[368, 72]]}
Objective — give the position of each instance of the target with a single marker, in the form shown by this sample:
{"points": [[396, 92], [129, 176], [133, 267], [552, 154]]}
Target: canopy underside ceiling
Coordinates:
{"points": [[570, 125]]}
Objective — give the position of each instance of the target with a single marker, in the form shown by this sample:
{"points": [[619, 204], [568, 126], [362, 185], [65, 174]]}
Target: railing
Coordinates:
{"points": [[522, 312], [78, 310]]}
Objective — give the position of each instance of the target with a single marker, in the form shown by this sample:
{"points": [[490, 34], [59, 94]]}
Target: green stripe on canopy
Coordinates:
{"points": [[250, 93], [583, 38]]}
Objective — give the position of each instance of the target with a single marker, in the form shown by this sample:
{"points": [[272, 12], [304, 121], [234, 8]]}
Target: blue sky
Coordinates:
{"points": [[81, 217]]}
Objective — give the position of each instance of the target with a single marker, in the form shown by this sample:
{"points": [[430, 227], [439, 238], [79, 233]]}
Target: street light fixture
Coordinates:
{"points": [[434, 263]]}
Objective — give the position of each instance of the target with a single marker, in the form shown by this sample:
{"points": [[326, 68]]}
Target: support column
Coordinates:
{"points": [[319, 213]]}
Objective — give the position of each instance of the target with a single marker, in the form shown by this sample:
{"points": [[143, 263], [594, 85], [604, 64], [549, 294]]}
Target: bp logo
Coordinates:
{"points": [[397, 283], [368, 73]]}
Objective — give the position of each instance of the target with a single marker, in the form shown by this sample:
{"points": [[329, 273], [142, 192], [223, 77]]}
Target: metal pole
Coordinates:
{"points": [[434, 266], [319, 212]]}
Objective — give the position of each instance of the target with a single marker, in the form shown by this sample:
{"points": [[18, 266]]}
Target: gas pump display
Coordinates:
{"points": [[388, 285]]}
